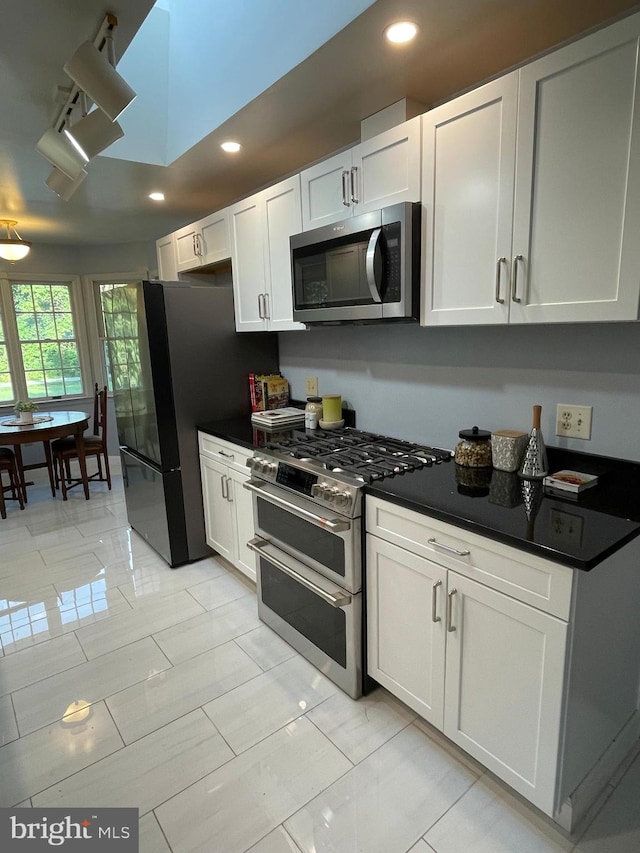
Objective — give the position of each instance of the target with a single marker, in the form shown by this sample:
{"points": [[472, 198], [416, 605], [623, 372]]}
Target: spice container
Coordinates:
{"points": [[312, 412], [507, 449], [474, 448]]}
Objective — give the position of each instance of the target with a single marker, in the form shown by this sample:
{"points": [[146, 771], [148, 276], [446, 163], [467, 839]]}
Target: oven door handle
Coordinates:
{"points": [[258, 544], [335, 525]]}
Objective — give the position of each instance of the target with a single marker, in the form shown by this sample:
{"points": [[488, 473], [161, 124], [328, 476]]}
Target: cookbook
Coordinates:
{"points": [[570, 481]]}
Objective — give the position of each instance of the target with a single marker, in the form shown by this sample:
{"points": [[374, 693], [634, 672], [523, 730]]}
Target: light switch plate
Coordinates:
{"points": [[311, 386]]}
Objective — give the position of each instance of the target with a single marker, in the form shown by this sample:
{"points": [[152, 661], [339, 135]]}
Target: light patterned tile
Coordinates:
{"points": [[38, 662], [278, 841], [157, 701], [266, 647], [386, 802], [45, 757], [488, 820], [210, 629], [151, 578], [421, 847], [273, 699], [8, 725], [221, 590], [150, 837], [128, 626], [47, 701], [147, 772], [254, 793], [359, 728]]}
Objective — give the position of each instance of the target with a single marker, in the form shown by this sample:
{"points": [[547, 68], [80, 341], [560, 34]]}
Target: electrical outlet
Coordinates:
{"points": [[311, 386], [573, 421]]}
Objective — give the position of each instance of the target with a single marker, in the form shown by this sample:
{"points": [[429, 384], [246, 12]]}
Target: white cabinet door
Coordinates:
{"points": [[188, 255], [405, 626], [326, 191], [246, 223], [467, 192], [505, 665], [242, 503], [167, 263], [282, 218], [217, 508], [577, 206], [386, 168], [214, 237]]}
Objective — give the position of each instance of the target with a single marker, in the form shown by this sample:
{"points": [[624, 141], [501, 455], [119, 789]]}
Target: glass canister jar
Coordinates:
{"points": [[313, 412], [474, 448]]}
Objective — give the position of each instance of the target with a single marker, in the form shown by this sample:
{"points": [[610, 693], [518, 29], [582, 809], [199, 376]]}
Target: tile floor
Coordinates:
{"points": [[215, 729]]}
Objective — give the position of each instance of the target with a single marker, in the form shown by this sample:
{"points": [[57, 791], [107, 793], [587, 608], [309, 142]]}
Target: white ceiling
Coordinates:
{"points": [[290, 121]]}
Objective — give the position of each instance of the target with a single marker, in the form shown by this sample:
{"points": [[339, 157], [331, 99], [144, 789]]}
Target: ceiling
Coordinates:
{"points": [[309, 113]]}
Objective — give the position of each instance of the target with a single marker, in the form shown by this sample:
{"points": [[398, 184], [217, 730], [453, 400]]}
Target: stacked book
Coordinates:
{"points": [[278, 418], [569, 482], [268, 391]]}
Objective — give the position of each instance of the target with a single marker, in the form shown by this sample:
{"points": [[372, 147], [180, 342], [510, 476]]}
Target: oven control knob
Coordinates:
{"points": [[343, 499], [272, 468], [319, 490]]}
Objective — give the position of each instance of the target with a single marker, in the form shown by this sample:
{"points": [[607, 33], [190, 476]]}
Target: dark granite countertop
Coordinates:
{"points": [[577, 532]]}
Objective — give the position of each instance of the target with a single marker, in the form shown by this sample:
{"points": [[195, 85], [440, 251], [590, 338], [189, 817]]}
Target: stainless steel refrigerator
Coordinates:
{"points": [[175, 360]]}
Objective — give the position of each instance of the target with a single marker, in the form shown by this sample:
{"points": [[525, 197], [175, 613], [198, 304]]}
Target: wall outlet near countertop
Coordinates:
{"points": [[573, 421], [311, 386]]}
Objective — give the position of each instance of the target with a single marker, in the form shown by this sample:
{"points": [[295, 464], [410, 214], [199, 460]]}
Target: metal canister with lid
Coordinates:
{"points": [[312, 412], [474, 448]]}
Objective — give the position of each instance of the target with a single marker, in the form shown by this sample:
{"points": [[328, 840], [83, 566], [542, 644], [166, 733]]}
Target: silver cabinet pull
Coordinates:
{"points": [[447, 548], [267, 309], [514, 273], [258, 544], [198, 246], [345, 190], [451, 626], [434, 591], [498, 279], [229, 491], [193, 241], [261, 306], [228, 455], [335, 525], [222, 487], [354, 184]]}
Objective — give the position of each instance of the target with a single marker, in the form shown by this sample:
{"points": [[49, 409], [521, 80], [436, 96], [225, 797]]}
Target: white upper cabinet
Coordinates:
{"points": [[381, 171], [260, 229], [203, 242], [531, 186], [167, 262]]}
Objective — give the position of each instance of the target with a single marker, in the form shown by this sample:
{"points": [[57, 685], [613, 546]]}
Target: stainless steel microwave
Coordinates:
{"points": [[364, 269]]}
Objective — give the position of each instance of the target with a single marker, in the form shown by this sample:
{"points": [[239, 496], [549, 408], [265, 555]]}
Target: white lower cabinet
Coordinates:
{"points": [[228, 510], [508, 654]]}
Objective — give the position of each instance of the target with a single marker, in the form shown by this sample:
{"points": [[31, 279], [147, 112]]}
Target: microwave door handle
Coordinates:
{"points": [[370, 265]]}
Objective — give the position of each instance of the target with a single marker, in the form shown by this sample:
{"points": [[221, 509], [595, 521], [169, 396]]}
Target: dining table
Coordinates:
{"points": [[47, 426]]}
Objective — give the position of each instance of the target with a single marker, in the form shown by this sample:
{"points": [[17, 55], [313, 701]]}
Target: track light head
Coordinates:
{"points": [[56, 148], [90, 70], [62, 185], [93, 133]]}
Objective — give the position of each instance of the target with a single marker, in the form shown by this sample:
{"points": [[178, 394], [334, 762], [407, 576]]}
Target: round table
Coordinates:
{"points": [[59, 425]]}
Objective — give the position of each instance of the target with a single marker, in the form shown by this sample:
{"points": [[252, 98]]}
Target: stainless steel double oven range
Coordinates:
{"points": [[307, 506]]}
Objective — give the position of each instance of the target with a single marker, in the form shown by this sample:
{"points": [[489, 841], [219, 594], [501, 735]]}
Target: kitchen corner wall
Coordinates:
{"points": [[426, 384]]}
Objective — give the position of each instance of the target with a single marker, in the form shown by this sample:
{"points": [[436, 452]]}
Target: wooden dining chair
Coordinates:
{"points": [[65, 450], [8, 464]]}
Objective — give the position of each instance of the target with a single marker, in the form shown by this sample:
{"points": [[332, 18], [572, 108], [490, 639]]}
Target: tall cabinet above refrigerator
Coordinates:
{"points": [[175, 360]]}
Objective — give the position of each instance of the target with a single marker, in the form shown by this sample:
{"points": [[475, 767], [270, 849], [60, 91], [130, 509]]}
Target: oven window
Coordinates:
{"points": [[320, 545], [322, 624]]}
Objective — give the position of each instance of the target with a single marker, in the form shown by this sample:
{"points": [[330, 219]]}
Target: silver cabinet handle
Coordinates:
{"points": [[447, 548], [354, 184], [198, 246], [514, 282], [258, 544], [335, 525], [228, 455], [267, 309], [261, 306], [498, 279], [434, 591], [451, 626], [222, 487], [345, 191], [229, 491]]}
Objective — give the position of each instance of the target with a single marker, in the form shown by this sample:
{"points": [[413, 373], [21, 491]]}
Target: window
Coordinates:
{"points": [[43, 354]]}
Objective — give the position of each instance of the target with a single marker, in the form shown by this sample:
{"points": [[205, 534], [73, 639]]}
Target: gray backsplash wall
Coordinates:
{"points": [[426, 384]]}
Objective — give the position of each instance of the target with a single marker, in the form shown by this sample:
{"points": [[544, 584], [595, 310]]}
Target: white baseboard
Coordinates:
{"points": [[622, 749]]}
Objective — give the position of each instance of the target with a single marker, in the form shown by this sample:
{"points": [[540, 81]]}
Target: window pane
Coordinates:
{"points": [[46, 331], [6, 386]]}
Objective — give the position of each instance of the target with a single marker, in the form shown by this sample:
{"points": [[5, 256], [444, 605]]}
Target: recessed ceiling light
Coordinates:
{"points": [[157, 196], [231, 147], [401, 32]]}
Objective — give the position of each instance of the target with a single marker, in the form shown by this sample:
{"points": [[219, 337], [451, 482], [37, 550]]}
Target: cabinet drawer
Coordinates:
{"points": [[523, 576], [232, 455]]}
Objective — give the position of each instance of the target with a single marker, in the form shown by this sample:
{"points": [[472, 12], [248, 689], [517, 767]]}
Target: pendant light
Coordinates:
{"points": [[13, 248]]}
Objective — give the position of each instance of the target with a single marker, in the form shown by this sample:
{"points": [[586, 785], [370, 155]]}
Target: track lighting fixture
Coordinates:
{"points": [[93, 133], [91, 71], [56, 148], [62, 185], [13, 248]]}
